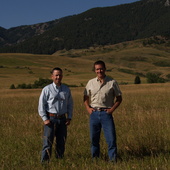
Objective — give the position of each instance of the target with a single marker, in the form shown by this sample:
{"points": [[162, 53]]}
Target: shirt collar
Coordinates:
{"points": [[103, 79], [55, 86]]}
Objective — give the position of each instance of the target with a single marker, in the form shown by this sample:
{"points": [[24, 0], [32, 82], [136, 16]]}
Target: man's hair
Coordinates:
{"points": [[99, 62], [56, 68]]}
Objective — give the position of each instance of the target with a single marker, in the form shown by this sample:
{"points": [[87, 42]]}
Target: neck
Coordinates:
{"points": [[101, 78], [58, 84]]}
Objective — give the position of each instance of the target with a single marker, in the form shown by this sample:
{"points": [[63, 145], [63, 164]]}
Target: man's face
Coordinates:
{"points": [[57, 77], [100, 71]]}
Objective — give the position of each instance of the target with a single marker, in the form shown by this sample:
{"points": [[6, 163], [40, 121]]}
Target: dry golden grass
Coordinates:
{"points": [[77, 64], [142, 120], [142, 123]]}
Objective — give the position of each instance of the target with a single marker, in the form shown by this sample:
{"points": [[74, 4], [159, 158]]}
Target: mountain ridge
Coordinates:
{"points": [[96, 26]]}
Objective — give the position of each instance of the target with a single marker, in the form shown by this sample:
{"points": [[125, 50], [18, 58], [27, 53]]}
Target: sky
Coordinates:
{"points": [[14, 13]]}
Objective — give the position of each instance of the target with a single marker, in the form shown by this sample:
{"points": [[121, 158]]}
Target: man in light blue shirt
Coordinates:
{"points": [[55, 108]]}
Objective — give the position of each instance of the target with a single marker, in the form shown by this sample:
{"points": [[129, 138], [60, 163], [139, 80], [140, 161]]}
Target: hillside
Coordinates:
{"points": [[19, 34], [98, 26], [124, 61]]}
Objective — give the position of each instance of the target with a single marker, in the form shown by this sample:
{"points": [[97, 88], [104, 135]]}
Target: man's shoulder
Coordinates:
{"points": [[47, 86], [65, 86], [93, 79], [108, 78]]}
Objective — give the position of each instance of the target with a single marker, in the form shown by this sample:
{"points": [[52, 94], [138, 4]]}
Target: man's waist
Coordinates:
{"points": [[56, 115], [100, 108]]}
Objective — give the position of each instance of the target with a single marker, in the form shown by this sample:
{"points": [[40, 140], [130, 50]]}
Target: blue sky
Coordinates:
{"points": [[15, 13]]}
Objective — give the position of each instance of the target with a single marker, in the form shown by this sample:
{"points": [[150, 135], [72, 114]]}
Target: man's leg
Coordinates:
{"points": [[47, 142], [95, 130], [110, 135], [61, 135]]}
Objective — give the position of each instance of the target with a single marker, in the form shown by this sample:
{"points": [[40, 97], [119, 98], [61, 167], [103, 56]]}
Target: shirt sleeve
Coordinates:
{"points": [[42, 105], [86, 90], [70, 106], [116, 89]]}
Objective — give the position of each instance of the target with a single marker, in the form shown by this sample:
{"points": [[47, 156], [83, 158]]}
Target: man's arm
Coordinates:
{"points": [[86, 103], [41, 108], [47, 122], [69, 109], [116, 104]]}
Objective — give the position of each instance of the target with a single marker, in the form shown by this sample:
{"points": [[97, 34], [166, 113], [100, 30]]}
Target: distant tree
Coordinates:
{"points": [[21, 86], [12, 86], [29, 86], [168, 76], [155, 78], [137, 80]]}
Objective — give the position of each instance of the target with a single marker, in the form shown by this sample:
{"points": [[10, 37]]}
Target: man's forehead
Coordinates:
{"points": [[99, 66], [57, 72]]}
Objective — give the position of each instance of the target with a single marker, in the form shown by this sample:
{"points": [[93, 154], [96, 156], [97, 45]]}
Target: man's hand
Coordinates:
{"points": [[90, 110], [47, 122], [109, 111], [68, 121], [86, 102], [116, 104]]}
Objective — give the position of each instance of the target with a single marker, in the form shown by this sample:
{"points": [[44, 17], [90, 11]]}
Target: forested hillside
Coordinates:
{"points": [[98, 26]]}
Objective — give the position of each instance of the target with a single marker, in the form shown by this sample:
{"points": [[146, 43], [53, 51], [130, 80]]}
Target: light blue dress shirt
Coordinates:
{"points": [[57, 100]]}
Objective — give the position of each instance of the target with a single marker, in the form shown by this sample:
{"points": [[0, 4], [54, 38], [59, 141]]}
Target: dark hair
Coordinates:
{"points": [[56, 68], [99, 62]]}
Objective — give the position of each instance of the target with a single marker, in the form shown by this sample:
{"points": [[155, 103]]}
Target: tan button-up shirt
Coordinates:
{"points": [[102, 95]]}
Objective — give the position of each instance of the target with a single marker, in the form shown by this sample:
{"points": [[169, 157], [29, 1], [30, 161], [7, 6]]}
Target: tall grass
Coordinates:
{"points": [[142, 123]]}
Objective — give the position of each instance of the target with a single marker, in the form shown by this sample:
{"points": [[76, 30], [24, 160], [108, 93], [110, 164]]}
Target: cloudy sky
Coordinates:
{"points": [[27, 12]]}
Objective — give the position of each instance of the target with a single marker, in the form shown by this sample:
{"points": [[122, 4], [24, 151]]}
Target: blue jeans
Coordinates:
{"points": [[57, 129], [98, 120]]}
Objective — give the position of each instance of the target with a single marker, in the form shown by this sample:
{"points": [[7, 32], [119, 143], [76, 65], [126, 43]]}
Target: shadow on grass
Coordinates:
{"points": [[141, 153]]}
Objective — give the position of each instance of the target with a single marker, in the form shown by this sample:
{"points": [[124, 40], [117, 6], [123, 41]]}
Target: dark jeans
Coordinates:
{"points": [[57, 129], [98, 120]]}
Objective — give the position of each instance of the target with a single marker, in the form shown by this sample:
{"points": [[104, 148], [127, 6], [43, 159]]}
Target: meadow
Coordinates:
{"points": [[142, 120], [124, 61], [142, 123]]}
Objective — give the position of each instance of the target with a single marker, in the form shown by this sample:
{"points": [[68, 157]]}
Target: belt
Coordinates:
{"points": [[99, 108], [57, 115]]}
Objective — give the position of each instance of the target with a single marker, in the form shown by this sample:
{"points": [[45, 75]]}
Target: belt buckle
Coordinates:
{"points": [[55, 115], [60, 116], [100, 109]]}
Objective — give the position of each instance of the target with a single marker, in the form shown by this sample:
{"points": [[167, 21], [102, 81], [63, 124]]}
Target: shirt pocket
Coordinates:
{"points": [[62, 95]]}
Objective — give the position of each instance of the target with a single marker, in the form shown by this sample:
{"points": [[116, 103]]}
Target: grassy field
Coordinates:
{"points": [[124, 61], [142, 121]]}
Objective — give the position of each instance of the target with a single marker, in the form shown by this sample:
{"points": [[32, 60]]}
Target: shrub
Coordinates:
{"points": [[37, 84], [154, 78], [12, 86], [162, 64], [123, 83], [41, 83], [168, 76], [137, 80], [22, 86]]}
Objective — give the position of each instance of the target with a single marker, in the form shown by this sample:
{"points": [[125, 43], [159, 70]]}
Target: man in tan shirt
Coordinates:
{"points": [[101, 97]]}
